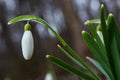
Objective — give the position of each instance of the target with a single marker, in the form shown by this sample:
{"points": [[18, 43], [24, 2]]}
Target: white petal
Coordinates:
{"points": [[100, 35], [27, 45]]}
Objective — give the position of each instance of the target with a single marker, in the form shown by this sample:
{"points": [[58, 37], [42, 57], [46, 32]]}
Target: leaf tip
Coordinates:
{"points": [[87, 57], [102, 8], [102, 5], [86, 22], [110, 14], [58, 45], [83, 32], [9, 23], [47, 56]]}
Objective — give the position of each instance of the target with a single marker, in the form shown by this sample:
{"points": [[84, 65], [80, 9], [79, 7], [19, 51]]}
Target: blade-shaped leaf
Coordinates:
{"points": [[68, 67], [98, 66], [92, 45], [99, 42], [95, 51], [71, 57], [114, 48], [72, 52], [104, 29], [114, 26], [103, 26], [94, 21]]}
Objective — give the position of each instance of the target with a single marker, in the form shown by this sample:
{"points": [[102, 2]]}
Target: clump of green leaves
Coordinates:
{"points": [[106, 52]]}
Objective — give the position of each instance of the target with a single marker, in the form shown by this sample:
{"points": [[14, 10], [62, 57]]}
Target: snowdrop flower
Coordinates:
{"points": [[27, 43], [100, 35]]}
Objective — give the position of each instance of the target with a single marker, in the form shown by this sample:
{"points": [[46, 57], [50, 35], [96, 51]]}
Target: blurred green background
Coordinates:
{"points": [[67, 17]]}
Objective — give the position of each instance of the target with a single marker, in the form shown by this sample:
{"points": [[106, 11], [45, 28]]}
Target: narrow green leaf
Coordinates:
{"points": [[92, 45], [95, 51], [98, 66], [71, 57], [72, 52], [116, 29], [103, 25], [99, 42], [116, 59], [114, 46], [94, 21], [106, 35], [21, 18], [104, 28], [68, 67]]}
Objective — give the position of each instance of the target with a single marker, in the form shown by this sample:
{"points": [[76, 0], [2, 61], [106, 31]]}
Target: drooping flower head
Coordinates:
{"points": [[27, 42]]}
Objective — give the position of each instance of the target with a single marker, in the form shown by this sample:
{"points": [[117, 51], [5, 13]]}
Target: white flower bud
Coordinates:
{"points": [[101, 36], [27, 45]]}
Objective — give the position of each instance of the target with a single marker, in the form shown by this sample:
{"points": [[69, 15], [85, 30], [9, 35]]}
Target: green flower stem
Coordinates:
{"points": [[39, 20]]}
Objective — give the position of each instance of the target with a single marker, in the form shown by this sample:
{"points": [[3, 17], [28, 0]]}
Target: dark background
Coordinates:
{"points": [[67, 17]]}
